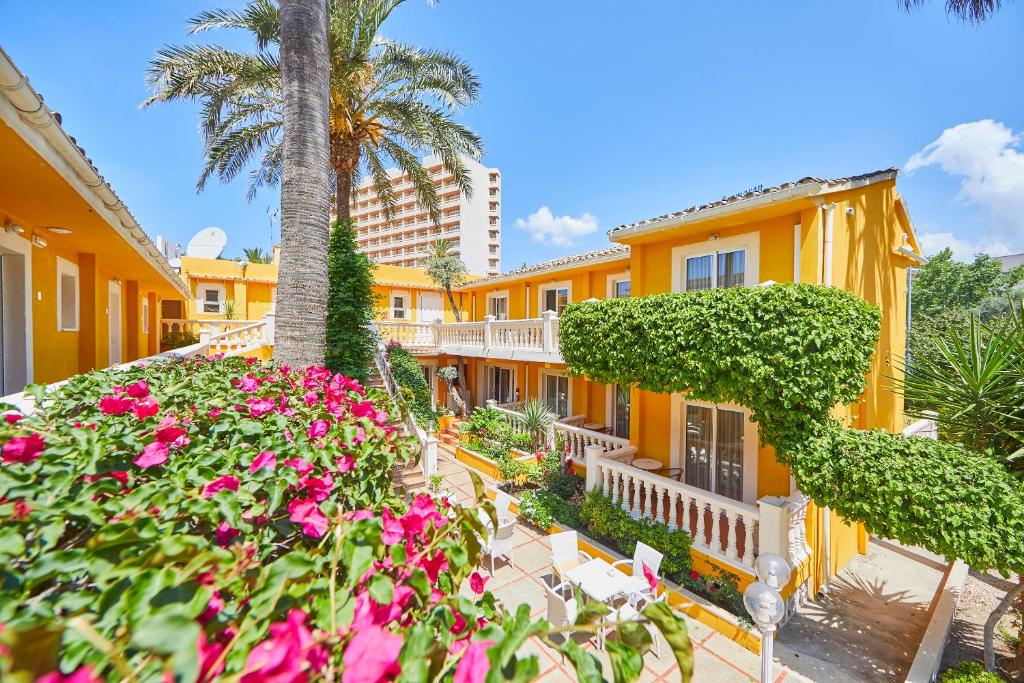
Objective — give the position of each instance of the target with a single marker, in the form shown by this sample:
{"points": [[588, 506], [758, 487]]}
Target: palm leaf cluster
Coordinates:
{"points": [[391, 102], [974, 11]]}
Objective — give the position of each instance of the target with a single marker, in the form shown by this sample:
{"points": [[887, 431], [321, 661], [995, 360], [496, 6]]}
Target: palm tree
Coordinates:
{"points": [[256, 255], [974, 11], [388, 101], [446, 270], [305, 183]]}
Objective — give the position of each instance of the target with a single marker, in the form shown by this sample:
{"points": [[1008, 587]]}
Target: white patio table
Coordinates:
{"points": [[599, 580]]}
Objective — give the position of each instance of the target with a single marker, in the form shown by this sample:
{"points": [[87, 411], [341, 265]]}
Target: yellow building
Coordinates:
{"points": [[852, 233], [81, 281]]}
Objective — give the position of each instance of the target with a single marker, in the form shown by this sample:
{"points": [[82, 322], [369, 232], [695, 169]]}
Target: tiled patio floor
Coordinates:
{"points": [[716, 658]]}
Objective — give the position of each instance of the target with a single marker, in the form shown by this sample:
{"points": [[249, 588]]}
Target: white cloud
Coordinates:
{"points": [[985, 157], [559, 231], [934, 242]]}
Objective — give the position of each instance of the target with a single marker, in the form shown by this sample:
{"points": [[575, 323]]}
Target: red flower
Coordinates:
{"points": [[209, 653], [169, 434], [225, 483], [23, 448], [12, 418], [266, 459], [477, 583], [307, 513], [115, 405], [372, 656], [213, 608], [147, 407], [318, 488], [225, 534], [21, 508], [318, 428], [694, 575], [154, 454], [138, 390]]}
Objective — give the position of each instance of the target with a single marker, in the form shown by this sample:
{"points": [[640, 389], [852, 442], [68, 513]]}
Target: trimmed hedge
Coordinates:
{"points": [[409, 375], [790, 353]]}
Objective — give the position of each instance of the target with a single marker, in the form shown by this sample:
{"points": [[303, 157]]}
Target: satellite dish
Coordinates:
{"points": [[207, 243]]}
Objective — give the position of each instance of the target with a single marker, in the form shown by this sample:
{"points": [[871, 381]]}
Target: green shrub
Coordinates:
{"points": [[350, 305], [606, 520], [969, 672], [178, 338], [543, 506], [409, 375]]}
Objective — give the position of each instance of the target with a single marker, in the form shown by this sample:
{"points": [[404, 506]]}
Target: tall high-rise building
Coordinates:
{"points": [[473, 225]]}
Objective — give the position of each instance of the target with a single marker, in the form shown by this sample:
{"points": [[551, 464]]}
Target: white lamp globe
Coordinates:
{"points": [[773, 570], [764, 604]]}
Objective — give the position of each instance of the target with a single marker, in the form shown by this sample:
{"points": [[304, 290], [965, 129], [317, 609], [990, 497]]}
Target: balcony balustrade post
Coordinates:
{"points": [[268, 329], [591, 454], [488, 319], [773, 526], [547, 338]]}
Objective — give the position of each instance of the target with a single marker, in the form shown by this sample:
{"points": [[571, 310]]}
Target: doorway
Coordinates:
{"points": [[15, 313], [114, 318], [430, 307]]}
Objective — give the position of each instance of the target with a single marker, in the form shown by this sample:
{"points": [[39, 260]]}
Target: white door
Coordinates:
{"points": [[430, 307], [114, 318]]}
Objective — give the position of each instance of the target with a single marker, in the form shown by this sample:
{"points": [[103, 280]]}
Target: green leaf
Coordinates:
{"points": [[626, 661], [588, 666], [11, 542], [673, 629], [381, 589]]}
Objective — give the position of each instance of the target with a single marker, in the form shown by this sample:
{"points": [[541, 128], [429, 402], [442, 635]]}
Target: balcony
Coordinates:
{"points": [[535, 339]]}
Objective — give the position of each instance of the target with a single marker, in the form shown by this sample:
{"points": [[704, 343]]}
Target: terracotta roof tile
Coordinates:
{"points": [[609, 253]]}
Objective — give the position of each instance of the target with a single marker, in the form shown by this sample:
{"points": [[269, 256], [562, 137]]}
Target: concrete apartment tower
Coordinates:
{"points": [[472, 225]]}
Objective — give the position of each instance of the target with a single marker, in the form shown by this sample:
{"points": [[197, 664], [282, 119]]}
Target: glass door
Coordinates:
{"points": [[620, 395]]}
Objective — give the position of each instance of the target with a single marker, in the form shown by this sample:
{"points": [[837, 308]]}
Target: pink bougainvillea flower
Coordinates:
{"points": [[259, 407], [359, 437], [250, 360], [266, 459], [154, 454], [214, 607], [225, 534], [225, 483], [372, 656], [12, 418], [318, 488], [318, 428], [652, 578], [214, 412], [394, 532], [459, 625], [311, 398], [138, 390], [434, 565], [474, 665], [208, 656], [368, 612], [83, 674], [359, 515], [345, 463], [21, 508], [249, 384], [23, 448], [305, 512], [146, 407], [169, 434], [287, 655], [299, 465], [364, 409], [120, 476], [115, 405], [477, 583]]}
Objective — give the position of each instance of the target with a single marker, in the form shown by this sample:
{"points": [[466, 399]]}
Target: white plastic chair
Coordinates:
{"points": [[561, 609], [630, 611], [499, 542], [565, 552], [502, 501], [643, 555]]}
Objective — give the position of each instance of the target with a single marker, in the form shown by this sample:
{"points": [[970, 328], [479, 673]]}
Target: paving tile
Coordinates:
{"points": [[524, 590], [707, 668], [738, 655], [533, 558]]}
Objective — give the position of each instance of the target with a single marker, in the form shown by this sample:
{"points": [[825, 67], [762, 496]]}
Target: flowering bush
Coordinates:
{"points": [[208, 520]]}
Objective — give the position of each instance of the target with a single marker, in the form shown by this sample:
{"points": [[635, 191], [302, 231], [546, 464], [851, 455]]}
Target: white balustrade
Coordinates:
{"points": [[412, 335], [201, 327], [238, 339], [531, 339]]}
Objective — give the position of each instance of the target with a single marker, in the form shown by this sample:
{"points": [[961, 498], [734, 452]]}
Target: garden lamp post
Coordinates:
{"points": [[765, 604]]}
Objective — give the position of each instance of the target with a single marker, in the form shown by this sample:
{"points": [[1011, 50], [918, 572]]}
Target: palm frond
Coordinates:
{"points": [[973, 11], [261, 17]]}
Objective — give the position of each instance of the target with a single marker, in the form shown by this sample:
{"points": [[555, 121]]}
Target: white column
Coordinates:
{"points": [[429, 455], [270, 319], [488, 319], [773, 527], [590, 457], [546, 335]]}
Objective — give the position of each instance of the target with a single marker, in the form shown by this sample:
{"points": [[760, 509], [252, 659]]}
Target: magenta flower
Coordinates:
{"points": [[208, 654], [249, 384], [213, 607], [394, 531], [23, 448], [318, 488], [169, 434], [214, 412], [266, 459], [311, 398], [477, 582], [372, 656], [359, 437], [652, 578], [299, 465], [318, 428], [146, 407], [224, 483], [287, 655], [259, 407], [115, 405], [12, 418], [138, 390], [225, 534], [82, 674], [368, 612], [154, 454], [307, 513], [345, 463], [474, 665]]}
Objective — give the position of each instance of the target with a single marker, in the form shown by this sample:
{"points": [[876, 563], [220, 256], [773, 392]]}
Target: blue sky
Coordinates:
{"points": [[607, 112]]}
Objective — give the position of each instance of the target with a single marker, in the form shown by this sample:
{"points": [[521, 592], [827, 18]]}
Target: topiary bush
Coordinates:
{"points": [[350, 304], [409, 375], [790, 353]]}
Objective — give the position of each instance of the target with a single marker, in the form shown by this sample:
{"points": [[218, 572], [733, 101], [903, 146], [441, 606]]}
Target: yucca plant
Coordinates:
{"points": [[537, 422]]}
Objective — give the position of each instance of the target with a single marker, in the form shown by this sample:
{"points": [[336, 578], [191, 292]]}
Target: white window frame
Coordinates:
{"points": [[202, 288], [749, 242], [501, 294], [484, 382], [542, 374], [145, 314], [615, 279], [751, 439], [406, 304], [542, 291], [65, 267]]}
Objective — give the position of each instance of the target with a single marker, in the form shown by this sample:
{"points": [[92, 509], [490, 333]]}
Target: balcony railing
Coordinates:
{"points": [[534, 339]]}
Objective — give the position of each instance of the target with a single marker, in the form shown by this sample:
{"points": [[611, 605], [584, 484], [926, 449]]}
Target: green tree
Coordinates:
{"points": [[944, 284], [350, 304], [256, 255], [446, 270], [388, 101]]}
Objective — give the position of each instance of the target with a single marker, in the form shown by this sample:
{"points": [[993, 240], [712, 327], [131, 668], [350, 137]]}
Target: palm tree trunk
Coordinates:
{"points": [[345, 160], [451, 302], [299, 339]]}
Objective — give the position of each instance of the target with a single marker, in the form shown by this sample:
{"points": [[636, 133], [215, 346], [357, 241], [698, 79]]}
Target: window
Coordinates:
{"points": [[622, 288], [499, 385], [713, 450], [398, 306], [497, 305], [555, 393], [715, 271], [555, 297], [145, 314], [620, 424], [67, 296], [210, 298]]}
